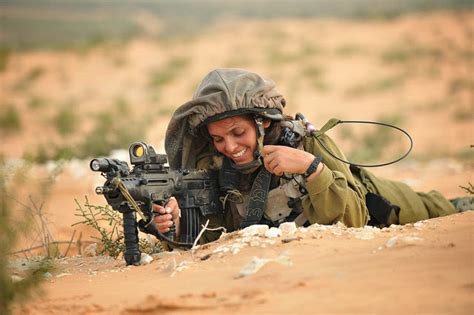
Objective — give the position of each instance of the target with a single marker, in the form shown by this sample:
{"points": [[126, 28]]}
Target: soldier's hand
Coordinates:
{"points": [[281, 159], [167, 215]]}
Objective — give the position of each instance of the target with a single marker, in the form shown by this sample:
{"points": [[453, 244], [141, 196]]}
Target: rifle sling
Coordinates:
{"points": [[258, 198]]}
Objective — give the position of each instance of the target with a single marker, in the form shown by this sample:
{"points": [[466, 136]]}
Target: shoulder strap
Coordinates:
{"points": [[258, 198], [328, 126]]}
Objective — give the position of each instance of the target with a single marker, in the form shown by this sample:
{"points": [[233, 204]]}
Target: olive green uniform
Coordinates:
{"points": [[339, 193]]}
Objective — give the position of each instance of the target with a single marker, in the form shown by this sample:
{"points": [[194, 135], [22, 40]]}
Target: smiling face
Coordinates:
{"points": [[235, 137]]}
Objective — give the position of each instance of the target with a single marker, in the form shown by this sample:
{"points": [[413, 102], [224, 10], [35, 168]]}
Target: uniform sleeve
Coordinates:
{"points": [[333, 195]]}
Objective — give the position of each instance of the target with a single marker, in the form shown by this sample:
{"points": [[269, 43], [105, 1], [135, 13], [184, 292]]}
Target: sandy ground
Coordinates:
{"points": [[425, 268], [422, 268]]}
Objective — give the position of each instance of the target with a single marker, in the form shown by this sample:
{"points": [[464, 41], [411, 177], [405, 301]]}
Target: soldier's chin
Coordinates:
{"points": [[242, 160]]}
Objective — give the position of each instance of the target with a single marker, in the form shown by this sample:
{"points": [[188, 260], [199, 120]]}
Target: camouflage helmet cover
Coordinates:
{"points": [[222, 93]]}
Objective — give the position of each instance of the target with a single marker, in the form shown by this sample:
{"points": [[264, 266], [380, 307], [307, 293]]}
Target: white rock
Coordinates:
{"points": [[392, 241], [16, 278], [273, 232], [418, 225], [254, 230], [395, 227], [288, 228], [221, 249], [411, 240], [145, 259], [91, 250], [365, 235], [254, 243], [235, 248]]}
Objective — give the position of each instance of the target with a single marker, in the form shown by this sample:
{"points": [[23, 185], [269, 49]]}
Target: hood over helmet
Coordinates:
{"points": [[222, 93]]}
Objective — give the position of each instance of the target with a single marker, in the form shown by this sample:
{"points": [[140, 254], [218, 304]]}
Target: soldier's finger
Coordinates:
{"points": [[162, 227], [163, 218], [158, 209], [267, 149]]}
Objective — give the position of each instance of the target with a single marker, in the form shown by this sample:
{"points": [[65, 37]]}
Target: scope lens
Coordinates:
{"points": [[138, 151], [95, 165]]}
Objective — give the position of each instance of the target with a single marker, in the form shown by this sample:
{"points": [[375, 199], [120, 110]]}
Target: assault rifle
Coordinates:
{"points": [[133, 192]]}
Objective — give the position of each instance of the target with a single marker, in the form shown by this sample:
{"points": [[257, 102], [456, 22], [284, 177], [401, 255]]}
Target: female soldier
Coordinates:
{"points": [[273, 169]]}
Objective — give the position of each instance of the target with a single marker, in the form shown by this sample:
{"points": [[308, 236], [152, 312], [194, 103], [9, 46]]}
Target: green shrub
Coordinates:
{"points": [[348, 50], [371, 146], [10, 120], [407, 52], [24, 83], [377, 86], [66, 120], [169, 72], [108, 223], [457, 85], [4, 57], [36, 102], [112, 129], [12, 291]]}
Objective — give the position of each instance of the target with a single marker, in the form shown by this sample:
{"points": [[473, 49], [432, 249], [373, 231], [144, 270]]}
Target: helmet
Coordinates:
{"points": [[222, 93]]}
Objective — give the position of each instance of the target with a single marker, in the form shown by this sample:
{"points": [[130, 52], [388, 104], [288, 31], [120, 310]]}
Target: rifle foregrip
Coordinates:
{"points": [[132, 253]]}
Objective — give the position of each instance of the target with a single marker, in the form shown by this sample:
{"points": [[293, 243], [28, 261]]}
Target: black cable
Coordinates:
{"points": [[373, 123]]}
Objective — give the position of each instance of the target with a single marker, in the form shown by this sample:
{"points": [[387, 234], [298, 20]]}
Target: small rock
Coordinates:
{"points": [[273, 232], [145, 259], [418, 225], [91, 250], [221, 249], [411, 240], [395, 227], [254, 243], [16, 278], [64, 274], [365, 235], [254, 230], [257, 263], [288, 228], [392, 241], [291, 239], [47, 275], [165, 254]]}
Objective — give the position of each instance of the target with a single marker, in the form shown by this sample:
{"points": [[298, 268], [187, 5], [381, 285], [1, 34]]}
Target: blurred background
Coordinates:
{"points": [[82, 78]]}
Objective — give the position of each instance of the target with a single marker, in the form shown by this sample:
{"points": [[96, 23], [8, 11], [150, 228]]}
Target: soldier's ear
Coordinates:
{"points": [[266, 123]]}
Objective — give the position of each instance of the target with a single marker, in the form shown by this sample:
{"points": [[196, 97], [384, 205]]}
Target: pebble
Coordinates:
{"points": [[418, 225], [364, 235], [257, 263], [288, 228], [254, 230], [91, 250], [145, 259], [411, 240], [406, 240], [391, 241], [273, 232], [303, 229], [16, 278]]}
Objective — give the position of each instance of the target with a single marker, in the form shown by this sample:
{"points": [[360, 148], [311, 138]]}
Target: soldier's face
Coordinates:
{"points": [[235, 137]]}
